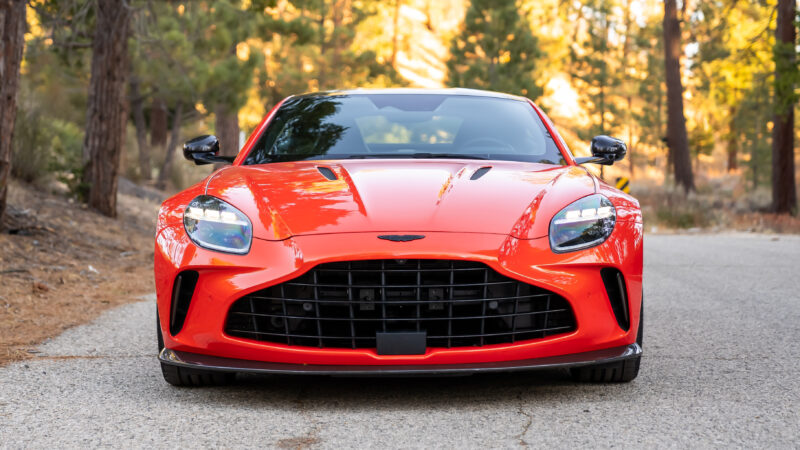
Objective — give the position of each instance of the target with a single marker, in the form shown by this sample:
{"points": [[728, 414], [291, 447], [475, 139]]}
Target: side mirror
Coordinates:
{"points": [[204, 150], [606, 150]]}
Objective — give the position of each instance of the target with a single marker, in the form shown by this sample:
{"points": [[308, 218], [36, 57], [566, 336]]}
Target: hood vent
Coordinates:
{"points": [[480, 172], [327, 173]]}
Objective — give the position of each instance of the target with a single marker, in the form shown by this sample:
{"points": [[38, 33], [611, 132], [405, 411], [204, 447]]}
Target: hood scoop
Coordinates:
{"points": [[327, 173], [480, 172]]}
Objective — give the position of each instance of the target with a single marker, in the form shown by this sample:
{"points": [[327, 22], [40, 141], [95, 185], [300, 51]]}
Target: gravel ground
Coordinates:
{"points": [[720, 369]]}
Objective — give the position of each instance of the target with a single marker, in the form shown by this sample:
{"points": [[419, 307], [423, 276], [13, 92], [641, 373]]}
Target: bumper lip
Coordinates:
{"points": [[205, 362]]}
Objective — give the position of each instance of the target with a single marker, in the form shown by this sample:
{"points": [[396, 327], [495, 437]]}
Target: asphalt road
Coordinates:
{"points": [[721, 368]]}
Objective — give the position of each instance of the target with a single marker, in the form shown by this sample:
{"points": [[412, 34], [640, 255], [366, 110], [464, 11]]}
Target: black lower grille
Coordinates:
{"points": [[344, 304]]}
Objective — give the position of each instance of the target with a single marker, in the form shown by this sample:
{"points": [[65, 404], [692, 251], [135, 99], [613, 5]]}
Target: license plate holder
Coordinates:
{"points": [[401, 342]]}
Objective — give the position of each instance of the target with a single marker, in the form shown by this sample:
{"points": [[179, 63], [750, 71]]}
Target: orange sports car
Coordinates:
{"points": [[396, 232]]}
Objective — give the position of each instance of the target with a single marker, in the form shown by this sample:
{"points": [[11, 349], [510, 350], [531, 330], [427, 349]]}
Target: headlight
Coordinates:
{"points": [[216, 225], [583, 224]]}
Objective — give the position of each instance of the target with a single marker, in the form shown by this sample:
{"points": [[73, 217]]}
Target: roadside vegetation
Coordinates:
{"points": [[62, 264]]}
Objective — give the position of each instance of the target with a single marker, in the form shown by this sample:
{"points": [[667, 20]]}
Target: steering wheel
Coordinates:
{"points": [[487, 142]]}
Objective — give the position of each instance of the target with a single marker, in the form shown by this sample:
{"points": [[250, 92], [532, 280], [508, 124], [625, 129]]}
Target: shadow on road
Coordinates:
{"points": [[478, 391]]}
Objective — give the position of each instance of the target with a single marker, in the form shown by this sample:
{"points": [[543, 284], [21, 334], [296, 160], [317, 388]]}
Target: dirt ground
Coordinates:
{"points": [[62, 265]]}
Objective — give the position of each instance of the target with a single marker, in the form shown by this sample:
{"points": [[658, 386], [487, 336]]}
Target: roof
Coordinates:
{"points": [[417, 91]]}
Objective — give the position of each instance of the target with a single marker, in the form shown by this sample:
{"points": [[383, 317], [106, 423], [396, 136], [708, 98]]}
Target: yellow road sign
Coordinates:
{"points": [[623, 184]]}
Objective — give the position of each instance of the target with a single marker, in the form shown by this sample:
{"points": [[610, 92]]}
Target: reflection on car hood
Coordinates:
{"points": [[296, 198]]}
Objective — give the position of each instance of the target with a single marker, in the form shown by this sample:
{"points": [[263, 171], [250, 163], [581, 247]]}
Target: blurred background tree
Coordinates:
{"points": [[12, 27], [495, 50], [705, 104]]}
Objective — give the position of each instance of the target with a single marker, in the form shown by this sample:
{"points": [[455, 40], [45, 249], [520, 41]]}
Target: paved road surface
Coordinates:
{"points": [[721, 368]]}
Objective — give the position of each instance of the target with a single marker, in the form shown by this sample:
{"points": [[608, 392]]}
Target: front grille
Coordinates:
{"points": [[343, 305]]}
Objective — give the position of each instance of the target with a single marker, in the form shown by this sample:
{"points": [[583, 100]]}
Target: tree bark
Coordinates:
{"points": [[227, 129], [396, 31], [12, 43], [677, 138], [107, 105], [137, 106], [174, 138], [323, 44], [158, 124], [784, 191], [733, 142]]}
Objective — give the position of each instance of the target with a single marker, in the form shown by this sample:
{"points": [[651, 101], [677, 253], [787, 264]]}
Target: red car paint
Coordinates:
{"points": [[301, 219]]}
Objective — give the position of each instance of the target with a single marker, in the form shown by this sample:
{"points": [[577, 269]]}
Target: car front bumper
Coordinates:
{"points": [[225, 278]]}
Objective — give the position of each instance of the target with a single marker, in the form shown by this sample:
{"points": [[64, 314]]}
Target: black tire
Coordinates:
{"points": [[185, 377], [616, 372]]}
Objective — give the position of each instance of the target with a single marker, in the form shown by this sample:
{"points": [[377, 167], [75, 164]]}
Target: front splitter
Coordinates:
{"points": [[205, 362]]}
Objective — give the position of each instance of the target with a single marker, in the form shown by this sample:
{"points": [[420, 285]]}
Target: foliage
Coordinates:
{"points": [[592, 67], [732, 69], [46, 145], [246, 55], [651, 118], [495, 50]]}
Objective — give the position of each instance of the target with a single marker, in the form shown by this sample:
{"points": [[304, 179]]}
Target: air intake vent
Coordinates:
{"points": [[480, 172], [617, 295], [327, 173], [347, 304], [182, 292]]}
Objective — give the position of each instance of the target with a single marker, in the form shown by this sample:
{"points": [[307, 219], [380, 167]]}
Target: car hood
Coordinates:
{"points": [[297, 198]]}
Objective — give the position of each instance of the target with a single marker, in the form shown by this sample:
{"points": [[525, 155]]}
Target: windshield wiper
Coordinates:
{"points": [[415, 155]]}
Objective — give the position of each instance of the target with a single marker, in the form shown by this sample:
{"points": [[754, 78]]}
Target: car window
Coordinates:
{"points": [[343, 126]]}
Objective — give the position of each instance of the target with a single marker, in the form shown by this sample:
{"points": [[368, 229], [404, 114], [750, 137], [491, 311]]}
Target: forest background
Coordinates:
{"points": [[702, 92]]}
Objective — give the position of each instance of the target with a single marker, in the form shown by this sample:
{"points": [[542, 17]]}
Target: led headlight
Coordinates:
{"points": [[583, 224], [216, 225]]}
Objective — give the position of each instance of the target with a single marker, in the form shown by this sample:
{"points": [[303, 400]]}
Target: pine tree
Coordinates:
{"points": [[592, 69], [784, 191], [650, 117], [107, 114], [732, 61], [677, 137], [495, 50], [12, 43]]}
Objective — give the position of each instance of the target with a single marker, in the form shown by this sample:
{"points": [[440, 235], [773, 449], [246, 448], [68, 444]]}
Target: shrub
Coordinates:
{"points": [[45, 146]]}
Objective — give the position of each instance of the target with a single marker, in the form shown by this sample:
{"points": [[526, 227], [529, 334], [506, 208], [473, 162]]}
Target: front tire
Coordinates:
{"points": [[616, 372], [186, 377]]}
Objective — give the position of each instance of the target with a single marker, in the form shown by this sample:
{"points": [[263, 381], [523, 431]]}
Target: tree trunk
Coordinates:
{"points": [[12, 42], [323, 44], [106, 114], [137, 105], [784, 191], [158, 124], [626, 50], [733, 142], [174, 138], [631, 145], [227, 129], [396, 31], [677, 138]]}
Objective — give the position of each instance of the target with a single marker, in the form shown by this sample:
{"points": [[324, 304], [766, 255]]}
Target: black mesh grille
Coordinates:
{"points": [[343, 305]]}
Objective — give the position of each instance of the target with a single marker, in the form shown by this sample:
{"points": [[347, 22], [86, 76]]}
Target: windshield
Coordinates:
{"points": [[356, 126]]}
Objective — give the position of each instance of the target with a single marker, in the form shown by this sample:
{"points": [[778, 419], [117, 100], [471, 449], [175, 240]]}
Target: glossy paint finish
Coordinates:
{"points": [[301, 218]]}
